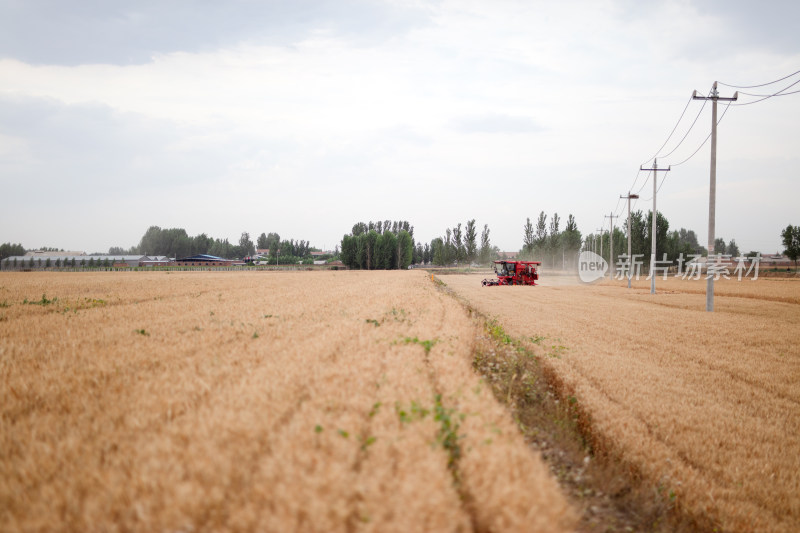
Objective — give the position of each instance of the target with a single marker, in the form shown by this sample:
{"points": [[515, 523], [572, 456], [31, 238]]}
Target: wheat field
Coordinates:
{"points": [[309, 401], [704, 407]]}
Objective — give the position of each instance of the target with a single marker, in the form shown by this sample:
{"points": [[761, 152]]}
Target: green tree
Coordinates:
{"points": [[791, 242], [486, 246], [662, 227], [470, 241], [554, 242], [458, 244], [9, 250], [246, 246], [437, 251], [732, 249], [201, 244], [405, 249], [719, 246], [448, 251], [261, 242], [528, 239], [386, 251], [571, 238], [348, 251], [540, 239], [373, 256]]}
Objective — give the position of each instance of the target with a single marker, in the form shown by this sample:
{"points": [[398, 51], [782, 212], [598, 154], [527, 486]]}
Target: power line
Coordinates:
{"points": [[671, 133], [688, 131], [779, 93], [615, 207], [769, 95], [707, 138], [760, 85], [645, 183]]}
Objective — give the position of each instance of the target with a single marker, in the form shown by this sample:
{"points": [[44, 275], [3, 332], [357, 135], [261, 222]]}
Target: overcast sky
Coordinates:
{"points": [[304, 117]]}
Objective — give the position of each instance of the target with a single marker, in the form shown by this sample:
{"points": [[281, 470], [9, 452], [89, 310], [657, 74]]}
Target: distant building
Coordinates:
{"points": [[40, 253], [205, 260], [40, 260]]}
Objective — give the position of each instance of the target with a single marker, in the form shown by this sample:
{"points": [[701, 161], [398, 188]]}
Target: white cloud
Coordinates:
{"points": [[437, 113]]}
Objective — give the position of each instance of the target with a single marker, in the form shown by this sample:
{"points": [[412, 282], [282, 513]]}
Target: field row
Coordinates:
{"points": [[340, 401], [704, 406]]}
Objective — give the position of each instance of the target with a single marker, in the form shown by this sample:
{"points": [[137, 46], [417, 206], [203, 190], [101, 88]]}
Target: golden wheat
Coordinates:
{"points": [[705, 406], [254, 402]]}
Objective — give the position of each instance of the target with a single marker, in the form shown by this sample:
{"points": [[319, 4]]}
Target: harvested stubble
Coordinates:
{"points": [[705, 407], [254, 402]]}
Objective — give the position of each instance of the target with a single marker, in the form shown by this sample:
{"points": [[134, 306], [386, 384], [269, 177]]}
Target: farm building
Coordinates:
{"points": [[59, 259], [205, 260]]}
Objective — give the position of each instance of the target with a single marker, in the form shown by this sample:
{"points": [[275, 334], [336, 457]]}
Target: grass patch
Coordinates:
{"points": [[43, 302], [427, 344]]}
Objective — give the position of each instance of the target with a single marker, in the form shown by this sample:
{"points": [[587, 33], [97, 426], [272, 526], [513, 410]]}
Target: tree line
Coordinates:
{"points": [[9, 250], [548, 243], [673, 243], [461, 246], [384, 245], [176, 242]]}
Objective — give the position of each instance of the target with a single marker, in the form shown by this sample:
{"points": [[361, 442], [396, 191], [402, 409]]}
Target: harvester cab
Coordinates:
{"points": [[514, 273]]}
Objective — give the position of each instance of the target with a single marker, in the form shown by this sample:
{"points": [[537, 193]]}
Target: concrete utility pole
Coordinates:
{"points": [[630, 261], [612, 216], [712, 196], [600, 232], [655, 171]]}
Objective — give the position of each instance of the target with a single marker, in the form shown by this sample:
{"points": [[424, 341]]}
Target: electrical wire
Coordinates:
{"points": [[635, 179], [760, 85], [706, 140], [671, 133], [616, 206], [779, 93], [689, 130], [621, 209], [645, 183], [769, 95]]}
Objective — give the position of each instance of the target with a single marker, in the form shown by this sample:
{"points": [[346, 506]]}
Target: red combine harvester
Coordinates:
{"points": [[514, 273]]}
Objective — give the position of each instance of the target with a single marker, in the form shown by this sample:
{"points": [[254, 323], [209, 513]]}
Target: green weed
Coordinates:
{"points": [[449, 422], [374, 410], [44, 301], [425, 344]]}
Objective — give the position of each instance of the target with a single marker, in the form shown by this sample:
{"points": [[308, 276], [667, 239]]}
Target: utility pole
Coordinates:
{"points": [[611, 245], [600, 232], [630, 261], [712, 196], [655, 171]]}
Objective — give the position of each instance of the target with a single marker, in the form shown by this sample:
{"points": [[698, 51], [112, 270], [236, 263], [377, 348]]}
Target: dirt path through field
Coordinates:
{"points": [[706, 406]]}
